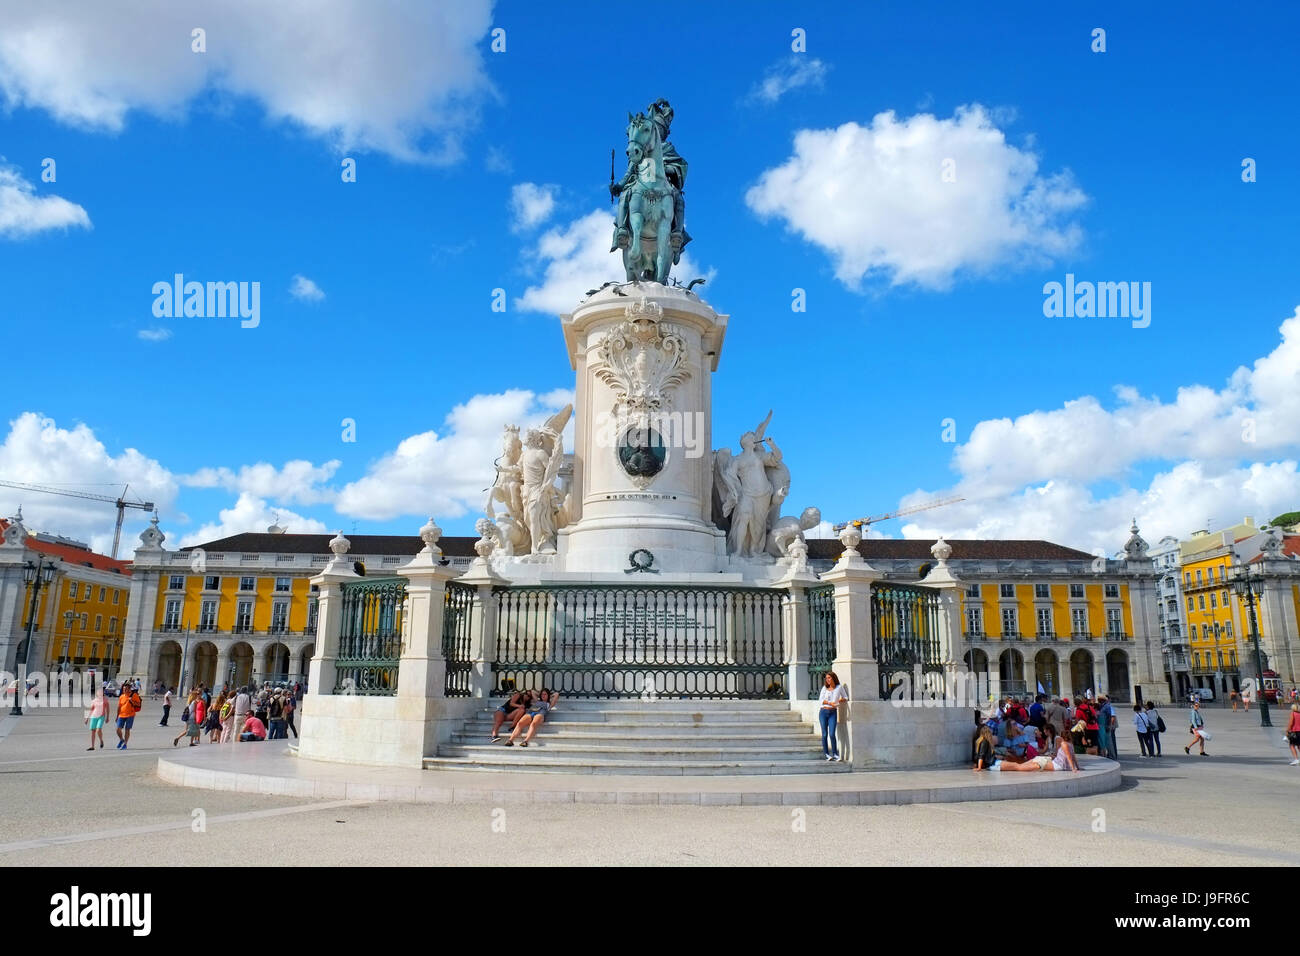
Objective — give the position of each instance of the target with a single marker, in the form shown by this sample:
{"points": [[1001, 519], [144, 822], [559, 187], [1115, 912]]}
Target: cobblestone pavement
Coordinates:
{"points": [[66, 806]]}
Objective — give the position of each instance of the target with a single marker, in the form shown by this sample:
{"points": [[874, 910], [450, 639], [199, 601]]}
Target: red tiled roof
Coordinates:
{"points": [[75, 556], [1290, 547]]}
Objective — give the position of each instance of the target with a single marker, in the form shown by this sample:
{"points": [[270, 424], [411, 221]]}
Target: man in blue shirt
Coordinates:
{"points": [[1106, 723], [1038, 713]]}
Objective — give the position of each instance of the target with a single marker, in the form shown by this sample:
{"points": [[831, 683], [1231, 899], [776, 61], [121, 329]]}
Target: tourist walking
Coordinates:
{"points": [[193, 715], [227, 717], [212, 724], [167, 707], [99, 712], [242, 704], [1142, 727], [128, 705], [1157, 725], [831, 696], [1197, 726], [1292, 734], [275, 711], [290, 705], [1247, 695]]}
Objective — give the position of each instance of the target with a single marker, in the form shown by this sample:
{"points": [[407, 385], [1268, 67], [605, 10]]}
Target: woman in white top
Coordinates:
{"points": [[832, 694], [1064, 759]]}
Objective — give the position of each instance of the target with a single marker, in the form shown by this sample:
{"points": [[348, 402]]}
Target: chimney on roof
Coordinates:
{"points": [[1249, 520]]}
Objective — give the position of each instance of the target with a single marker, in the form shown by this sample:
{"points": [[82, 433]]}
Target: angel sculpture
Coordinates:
{"points": [[507, 486], [539, 467], [745, 486]]}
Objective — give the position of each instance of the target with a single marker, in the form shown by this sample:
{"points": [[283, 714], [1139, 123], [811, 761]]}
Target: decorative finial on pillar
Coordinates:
{"points": [[430, 534], [942, 551], [339, 544]]}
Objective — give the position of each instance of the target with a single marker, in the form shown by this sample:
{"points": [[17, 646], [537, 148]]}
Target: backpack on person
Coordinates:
{"points": [[1160, 722], [134, 699]]}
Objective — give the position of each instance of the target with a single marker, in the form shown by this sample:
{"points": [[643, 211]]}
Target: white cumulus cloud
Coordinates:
{"points": [[792, 73], [531, 205], [296, 482], [875, 199], [154, 335], [248, 513], [305, 290], [576, 259], [447, 473], [406, 79], [23, 213], [1219, 454]]}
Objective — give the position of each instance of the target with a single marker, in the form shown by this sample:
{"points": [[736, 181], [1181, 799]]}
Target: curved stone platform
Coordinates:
{"points": [[272, 768]]}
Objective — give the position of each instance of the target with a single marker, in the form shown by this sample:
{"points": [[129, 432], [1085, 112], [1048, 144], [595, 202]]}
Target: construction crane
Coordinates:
{"points": [[864, 523], [120, 501]]}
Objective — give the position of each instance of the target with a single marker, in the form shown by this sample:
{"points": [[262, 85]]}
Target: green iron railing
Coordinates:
{"points": [[904, 634], [458, 606], [370, 636], [640, 641], [821, 636]]}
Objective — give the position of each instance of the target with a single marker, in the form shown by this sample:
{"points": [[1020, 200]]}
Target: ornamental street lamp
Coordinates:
{"points": [[1247, 584], [35, 574]]}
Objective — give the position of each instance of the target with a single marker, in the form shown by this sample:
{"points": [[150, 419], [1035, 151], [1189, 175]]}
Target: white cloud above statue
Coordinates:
{"points": [[922, 200]]}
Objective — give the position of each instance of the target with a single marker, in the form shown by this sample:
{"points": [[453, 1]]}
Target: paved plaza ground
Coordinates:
{"points": [[64, 806]]}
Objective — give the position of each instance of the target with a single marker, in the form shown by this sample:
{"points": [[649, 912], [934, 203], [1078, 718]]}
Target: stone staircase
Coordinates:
{"points": [[658, 737]]}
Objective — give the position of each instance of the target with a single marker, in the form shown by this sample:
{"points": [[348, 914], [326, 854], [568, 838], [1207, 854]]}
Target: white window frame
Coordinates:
{"points": [[1042, 592], [1114, 620], [972, 590], [171, 582], [216, 578], [244, 621], [72, 590], [250, 581], [1045, 627], [208, 622], [1077, 593], [1012, 615], [1003, 589], [172, 614], [279, 609], [974, 620], [1079, 620], [288, 585]]}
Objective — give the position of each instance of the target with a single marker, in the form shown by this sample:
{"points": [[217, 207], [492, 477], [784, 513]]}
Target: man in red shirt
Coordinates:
{"points": [[254, 729]]}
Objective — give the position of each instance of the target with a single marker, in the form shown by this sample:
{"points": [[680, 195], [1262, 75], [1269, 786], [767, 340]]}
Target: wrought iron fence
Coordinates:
{"points": [[456, 616], [370, 636], [640, 641], [904, 633], [821, 636]]}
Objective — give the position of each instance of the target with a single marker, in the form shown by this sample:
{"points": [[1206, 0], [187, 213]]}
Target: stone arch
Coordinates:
{"points": [[1081, 679], [1046, 671], [1011, 671], [1117, 683], [304, 662], [241, 659], [168, 666], [204, 667], [276, 659]]}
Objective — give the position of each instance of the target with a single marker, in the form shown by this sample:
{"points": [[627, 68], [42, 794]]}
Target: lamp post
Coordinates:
{"points": [[184, 656], [1246, 585], [35, 574]]}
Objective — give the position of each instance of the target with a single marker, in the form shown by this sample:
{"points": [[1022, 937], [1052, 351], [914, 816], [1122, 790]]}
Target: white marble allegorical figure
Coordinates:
{"points": [[746, 489]]}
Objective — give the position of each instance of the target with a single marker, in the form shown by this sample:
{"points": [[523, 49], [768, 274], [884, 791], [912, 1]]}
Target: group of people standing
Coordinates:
{"points": [[235, 715]]}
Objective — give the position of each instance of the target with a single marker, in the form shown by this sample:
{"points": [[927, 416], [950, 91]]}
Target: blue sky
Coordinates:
{"points": [[225, 165]]}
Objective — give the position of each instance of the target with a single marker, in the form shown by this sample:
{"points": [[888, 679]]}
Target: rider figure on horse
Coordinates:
{"points": [[660, 113]]}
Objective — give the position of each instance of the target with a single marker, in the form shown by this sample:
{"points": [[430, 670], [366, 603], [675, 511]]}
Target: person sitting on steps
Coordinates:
{"points": [[511, 709], [532, 721]]}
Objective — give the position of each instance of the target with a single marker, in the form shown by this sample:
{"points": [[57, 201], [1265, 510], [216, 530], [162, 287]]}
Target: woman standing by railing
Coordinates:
{"points": [[831, 696]]}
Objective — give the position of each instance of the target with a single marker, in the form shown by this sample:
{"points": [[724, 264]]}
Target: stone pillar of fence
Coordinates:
{"points": [[483, 623], [959, 685], [422, 715], [855, 661], [795, 626], [329, 611]]}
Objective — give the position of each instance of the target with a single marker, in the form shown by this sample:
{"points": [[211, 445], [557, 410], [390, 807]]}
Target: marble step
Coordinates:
{"points": [[647, 749], [621, 736], [515, 760]]}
